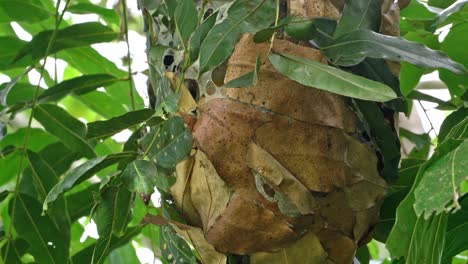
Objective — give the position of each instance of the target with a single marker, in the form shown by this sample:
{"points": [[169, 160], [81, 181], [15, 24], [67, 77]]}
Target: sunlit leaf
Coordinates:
{"points": [[321, 76], [79, 85], [31, 11], [77, 35], [186, 19], [83, 172], [70, 130], [107, 128], [108, 15]]}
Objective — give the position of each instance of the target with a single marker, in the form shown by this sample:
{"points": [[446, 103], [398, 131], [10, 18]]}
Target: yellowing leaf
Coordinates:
{"points": [[306, 250], [282, 180], [210, 195]]}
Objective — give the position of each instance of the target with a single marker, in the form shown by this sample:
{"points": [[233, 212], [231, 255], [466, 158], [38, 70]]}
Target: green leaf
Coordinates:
{"points": [[111, 108], [20, 93], [107, 128], [168, 143], [70, 37], [450, 121], [199, 35], [457, 225], [352, 48], [453, 8], [321, 76], [409, 77], [30, 11], [79, 85], [438, 189], [243, 16], [173, 247], [123, 255], [420, 140], [266, 33], [85, 255], [186, 19], [383, 136], [248, 79], [319, 30], [108, 15], [451, 45], [414, 237], [359, 15], [417, 95], [8, 50], [83, 172], [80, 203], [61, 124], [140, 176], [112, 215], [50, 243], [38, 139]]}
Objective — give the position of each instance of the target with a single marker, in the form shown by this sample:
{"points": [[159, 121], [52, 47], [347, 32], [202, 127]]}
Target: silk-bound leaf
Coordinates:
{"points": [[324, 77], [168, 143], [354, 47], [123, 255], [199, 35], [244, 16], [107, 128], [112, 216], [186, 19], [67, 128], [108, 15], [248, 79], [30, 11], [50, 244], [77, 35], [84, 172], [359, 15], [140, 176], [79, 85], [438, 190], [86, 255]]}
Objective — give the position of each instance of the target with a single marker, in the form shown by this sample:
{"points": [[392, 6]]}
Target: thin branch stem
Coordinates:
{"points": [[130, 77], [428, 119]]}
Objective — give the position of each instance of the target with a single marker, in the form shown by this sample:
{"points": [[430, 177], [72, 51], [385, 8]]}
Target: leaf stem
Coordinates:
{"points": [[428, 119], [125, 28]]}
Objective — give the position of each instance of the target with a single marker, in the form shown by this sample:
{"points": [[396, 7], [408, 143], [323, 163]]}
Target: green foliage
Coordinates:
{"points": [[60, 167]]}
